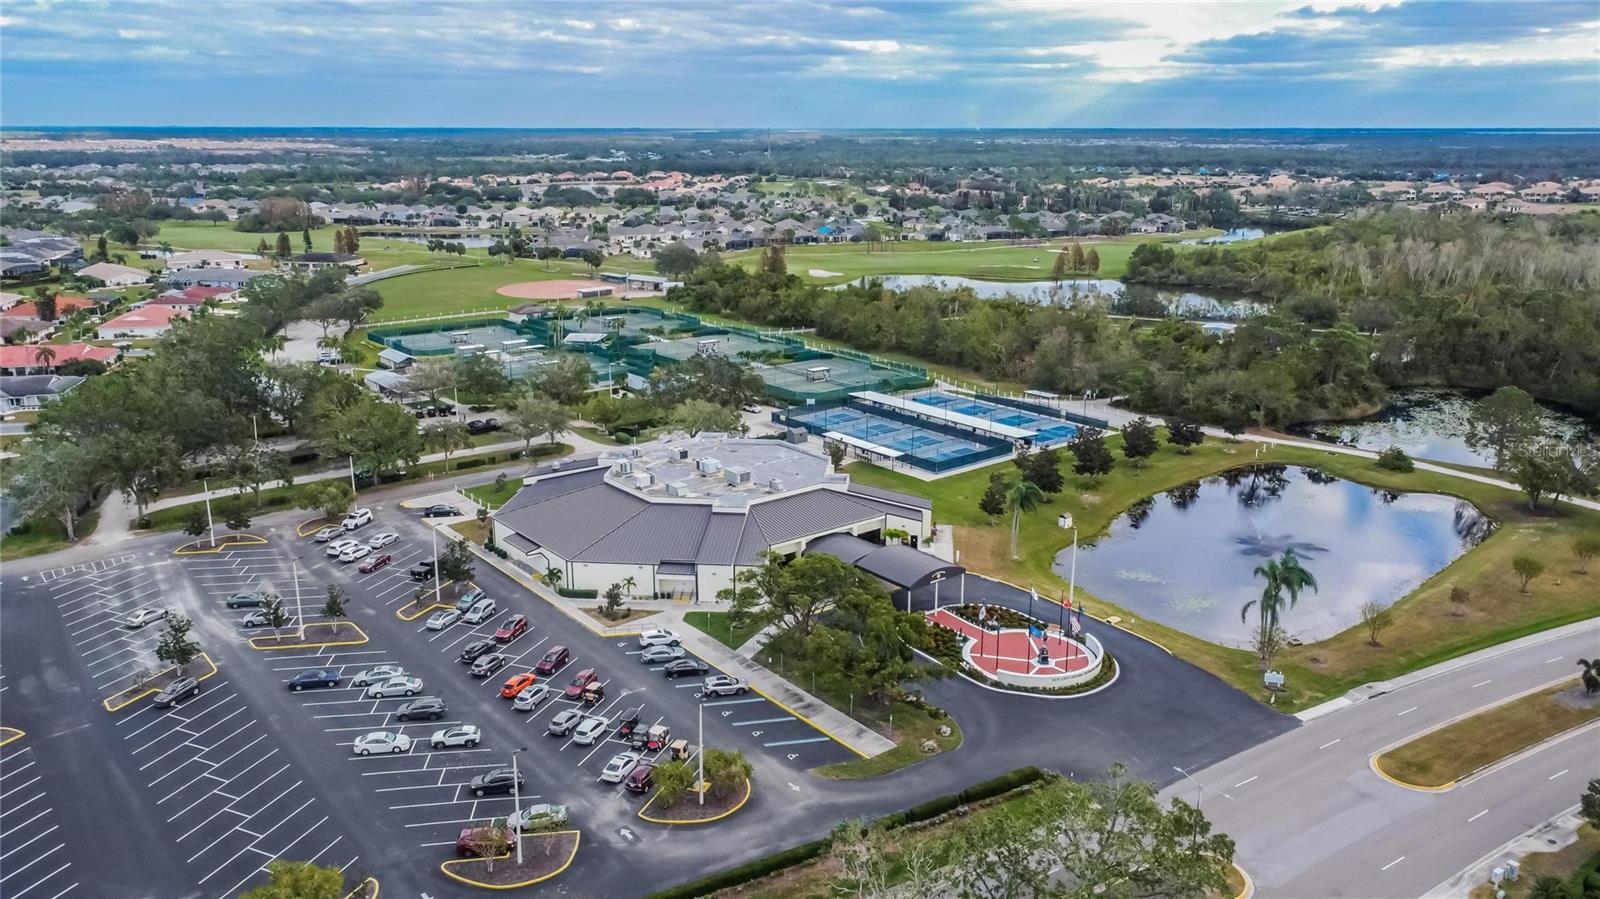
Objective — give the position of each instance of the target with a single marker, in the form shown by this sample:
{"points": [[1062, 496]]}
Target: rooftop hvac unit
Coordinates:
{"points": [[624, 466], [679, 488], [635, 452], [707, 465], [680, 453], [641, 479], [737, 477], [775, 486]]}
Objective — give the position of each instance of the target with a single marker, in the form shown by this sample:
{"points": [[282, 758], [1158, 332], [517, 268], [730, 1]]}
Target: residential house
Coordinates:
{"points": [[316, 262], [19, 393], [65, 305], [231, 278], [36, 359], [206, 259], [113, 275], [152, 320]]}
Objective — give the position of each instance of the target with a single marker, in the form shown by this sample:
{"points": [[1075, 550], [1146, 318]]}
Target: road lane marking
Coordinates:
{"points": [[1330, 743], [1407, 711], [1556, 659], [1393, 863], [1245, 781], [1477, 816], [1558, 774], [1481, 683]]}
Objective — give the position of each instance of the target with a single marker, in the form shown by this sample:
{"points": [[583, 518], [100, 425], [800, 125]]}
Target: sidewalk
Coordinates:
{"points": [[1547, 837]]}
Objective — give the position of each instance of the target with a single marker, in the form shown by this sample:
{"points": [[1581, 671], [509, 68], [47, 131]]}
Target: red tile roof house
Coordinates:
{"points": [[24, 359], [64, 306], [147, 321]]}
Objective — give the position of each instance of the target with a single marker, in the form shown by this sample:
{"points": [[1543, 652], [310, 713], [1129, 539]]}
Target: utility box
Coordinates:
{"points": [[1064, 521], [1511, 869]]}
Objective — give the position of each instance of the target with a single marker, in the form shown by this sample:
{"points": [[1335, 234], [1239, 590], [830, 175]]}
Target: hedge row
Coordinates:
{"points": [[574, 593], [795, 855]]}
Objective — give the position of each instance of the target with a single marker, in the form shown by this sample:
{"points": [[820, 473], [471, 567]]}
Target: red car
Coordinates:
{"points": [[512, 629], [640, 779], [552, 661], [373, 563], [584, 679], [516, 683]]}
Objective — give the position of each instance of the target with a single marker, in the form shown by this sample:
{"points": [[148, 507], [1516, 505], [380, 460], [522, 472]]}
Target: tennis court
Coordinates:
{"points": [[730, 344], [916, 442], [454, 339], [627, 324], [1051, 431]]}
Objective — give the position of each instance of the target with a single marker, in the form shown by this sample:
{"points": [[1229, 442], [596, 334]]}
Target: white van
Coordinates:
{"points": [[480, 612]]}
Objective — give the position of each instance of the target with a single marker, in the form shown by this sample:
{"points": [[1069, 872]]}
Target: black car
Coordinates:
{"points": [[314, 677], [500, 780], [685, 667], [249, 599], [483, 425], [471, 651], [176, 692], [440, 511], [421, 571], [430, 707]]}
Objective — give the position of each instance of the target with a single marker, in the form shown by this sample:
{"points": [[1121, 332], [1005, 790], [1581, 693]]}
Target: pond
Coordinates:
{"points": [[1232, 235], [1432, 424], [1115, 296], [1185, 558], [466, 240]]}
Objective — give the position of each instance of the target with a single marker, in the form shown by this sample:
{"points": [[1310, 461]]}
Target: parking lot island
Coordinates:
{"points": [[545, 855]]}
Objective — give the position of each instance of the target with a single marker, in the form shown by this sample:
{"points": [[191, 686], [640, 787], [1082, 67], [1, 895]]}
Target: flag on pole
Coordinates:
{"points": [[1077, 622], [1061, 612], [1033, 595], [1035, 631]]}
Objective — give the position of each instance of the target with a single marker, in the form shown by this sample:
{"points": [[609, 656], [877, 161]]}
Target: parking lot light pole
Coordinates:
{"points": [[299, 611], [1200, 788], [700, 777], [211, 526], [352, 474], [516, 801], [437, 588]]}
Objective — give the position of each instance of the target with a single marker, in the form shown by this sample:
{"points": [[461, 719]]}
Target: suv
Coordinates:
{"points": [[483, 425], [175, 692], [470, 599], [356, 519], [249, 599], [430, 707], [512, 628], [500, 780], [658, 637], [471, 651], [480, 611], [552, 661], [421, 571], [314, 677], [539, 816], [723, 685], [563, 722], [465, 735], [581, 681], [488, 664]]}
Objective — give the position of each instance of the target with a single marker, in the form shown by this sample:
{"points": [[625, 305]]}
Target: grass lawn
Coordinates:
{"points": [[903, 723], [38, 537], [717, 624], [492, 496], [463, 290], [1456, 750], [987, 260], [380, 253], [1428, 627], [1583, 853]]}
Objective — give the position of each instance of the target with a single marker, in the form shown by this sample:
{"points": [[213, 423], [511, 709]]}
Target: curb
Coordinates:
{"points": [[1249, 884], [1103, 620], [153, 690], [444, 867], [11, 735], [363, 885], [749, 787], [311, 526], [228, 542], [313, 644], [438, 605], [823, 730]]}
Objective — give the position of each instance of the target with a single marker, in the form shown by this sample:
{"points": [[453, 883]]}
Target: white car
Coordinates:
{"points": [[337, 547], [377, 675], [723, 685], [530, 697], [590, 731], [355, 553], [481, 611], [658, 637], [619, 767], [538, 816], [326, 534], [142, 617], [379, 541], [395, 686], [466, 735], [356, 519], [438, 621], [382, 741], [656, 655]]}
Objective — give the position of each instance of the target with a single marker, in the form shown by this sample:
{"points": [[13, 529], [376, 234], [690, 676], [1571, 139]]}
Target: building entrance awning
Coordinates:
{"points": [[899, 565]]}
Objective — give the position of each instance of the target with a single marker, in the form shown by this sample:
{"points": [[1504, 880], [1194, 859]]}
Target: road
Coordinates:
{"points": [[1312, 819]]}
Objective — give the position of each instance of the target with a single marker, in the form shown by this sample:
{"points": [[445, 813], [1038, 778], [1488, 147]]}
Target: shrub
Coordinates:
{"points": [[573, 593], [1395, 459]]}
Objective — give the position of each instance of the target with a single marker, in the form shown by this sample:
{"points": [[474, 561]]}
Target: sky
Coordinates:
{"points": [[781, 64]]}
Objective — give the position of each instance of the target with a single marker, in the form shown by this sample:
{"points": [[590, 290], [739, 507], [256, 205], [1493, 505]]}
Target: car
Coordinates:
{"points": [[471, 651], [500, 780], [355, 553], [680, 667], [475, 841], [382, 539], [357, 518], [488, 664], [640, 779], [382, 741], [430, 707], [421, 571], [470, 599], [659, 636], [404, 685], [465, 735], [628, 720], [656, 655], [723, 685], [376, 675], [483, 425], [337, 547], [248, 599], [590, 730], [440, 511], [552, 661], [516, 683], [142, 617], [579, 681], [176, 692], [326, 534], [480, 612], [438, 621], [563, 722], [620, 766], [530, 697], [512, 628], [258, 618], [374, 562], [314, 677], [539, 816]]}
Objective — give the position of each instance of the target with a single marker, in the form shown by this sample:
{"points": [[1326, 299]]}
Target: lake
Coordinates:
{"points": [[1432, 424], [1115, 296], [1232, 235], [1185, 558]]}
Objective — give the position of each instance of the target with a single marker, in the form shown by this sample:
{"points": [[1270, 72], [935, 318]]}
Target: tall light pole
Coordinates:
{"points": [[516, 800], [205, 487], [700, 777], [299, 612], [352, 474], [1200, 788], [437, 588]]}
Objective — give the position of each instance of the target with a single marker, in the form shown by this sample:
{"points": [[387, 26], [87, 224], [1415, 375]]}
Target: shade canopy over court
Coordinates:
{"points": [[896, 564]]}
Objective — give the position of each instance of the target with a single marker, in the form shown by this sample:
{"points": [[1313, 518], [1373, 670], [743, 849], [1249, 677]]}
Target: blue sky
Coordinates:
{"points": [[779, 64]]}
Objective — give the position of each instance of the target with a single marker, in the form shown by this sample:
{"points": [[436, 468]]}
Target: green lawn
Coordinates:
{"points": [[717, 624], [379, 252], [1428, 627], [36, 537], [492, 496], [463, 290]]}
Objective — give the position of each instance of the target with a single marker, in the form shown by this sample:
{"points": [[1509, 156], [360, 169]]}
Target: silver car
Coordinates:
{"points": [[657, 655], [142, 617], [466, 735], [377, 675], [380, 540], [395, 686], [438, 621], [590, 731], [530, 697]]}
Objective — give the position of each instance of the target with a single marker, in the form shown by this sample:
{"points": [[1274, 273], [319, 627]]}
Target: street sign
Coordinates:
{"points": [[1273, 680]]}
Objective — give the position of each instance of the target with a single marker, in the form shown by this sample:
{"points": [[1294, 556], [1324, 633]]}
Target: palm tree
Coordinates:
{"points": [[628, 583], [276, 344], [552, 576], [1023, 496], [1591, 675], [44, 355], [1285, 574]]}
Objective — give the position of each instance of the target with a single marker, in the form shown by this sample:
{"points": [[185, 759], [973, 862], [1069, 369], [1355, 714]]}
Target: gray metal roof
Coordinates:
{"points": [[893, 496], [847, 548], [572, 521], [651, 534], [898, 564], [720, 543], [812, 512], [550, 487]]}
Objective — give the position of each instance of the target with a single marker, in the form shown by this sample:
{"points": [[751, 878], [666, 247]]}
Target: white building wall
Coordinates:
{"points": [[712, 578], [600, 575]]}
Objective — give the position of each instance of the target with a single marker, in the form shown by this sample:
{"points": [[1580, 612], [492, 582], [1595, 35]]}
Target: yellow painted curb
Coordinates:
{"points": [[361, 886], [1249, 884], [749, 787], [309, 527], [445, 866], [828, 733], [312, 644], [228, 542], [151, 691], [430, 607], [1378, 770], [11, 735]]}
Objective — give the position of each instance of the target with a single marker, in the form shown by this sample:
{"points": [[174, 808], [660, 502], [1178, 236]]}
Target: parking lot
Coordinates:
{"points": [[34, 857]]}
